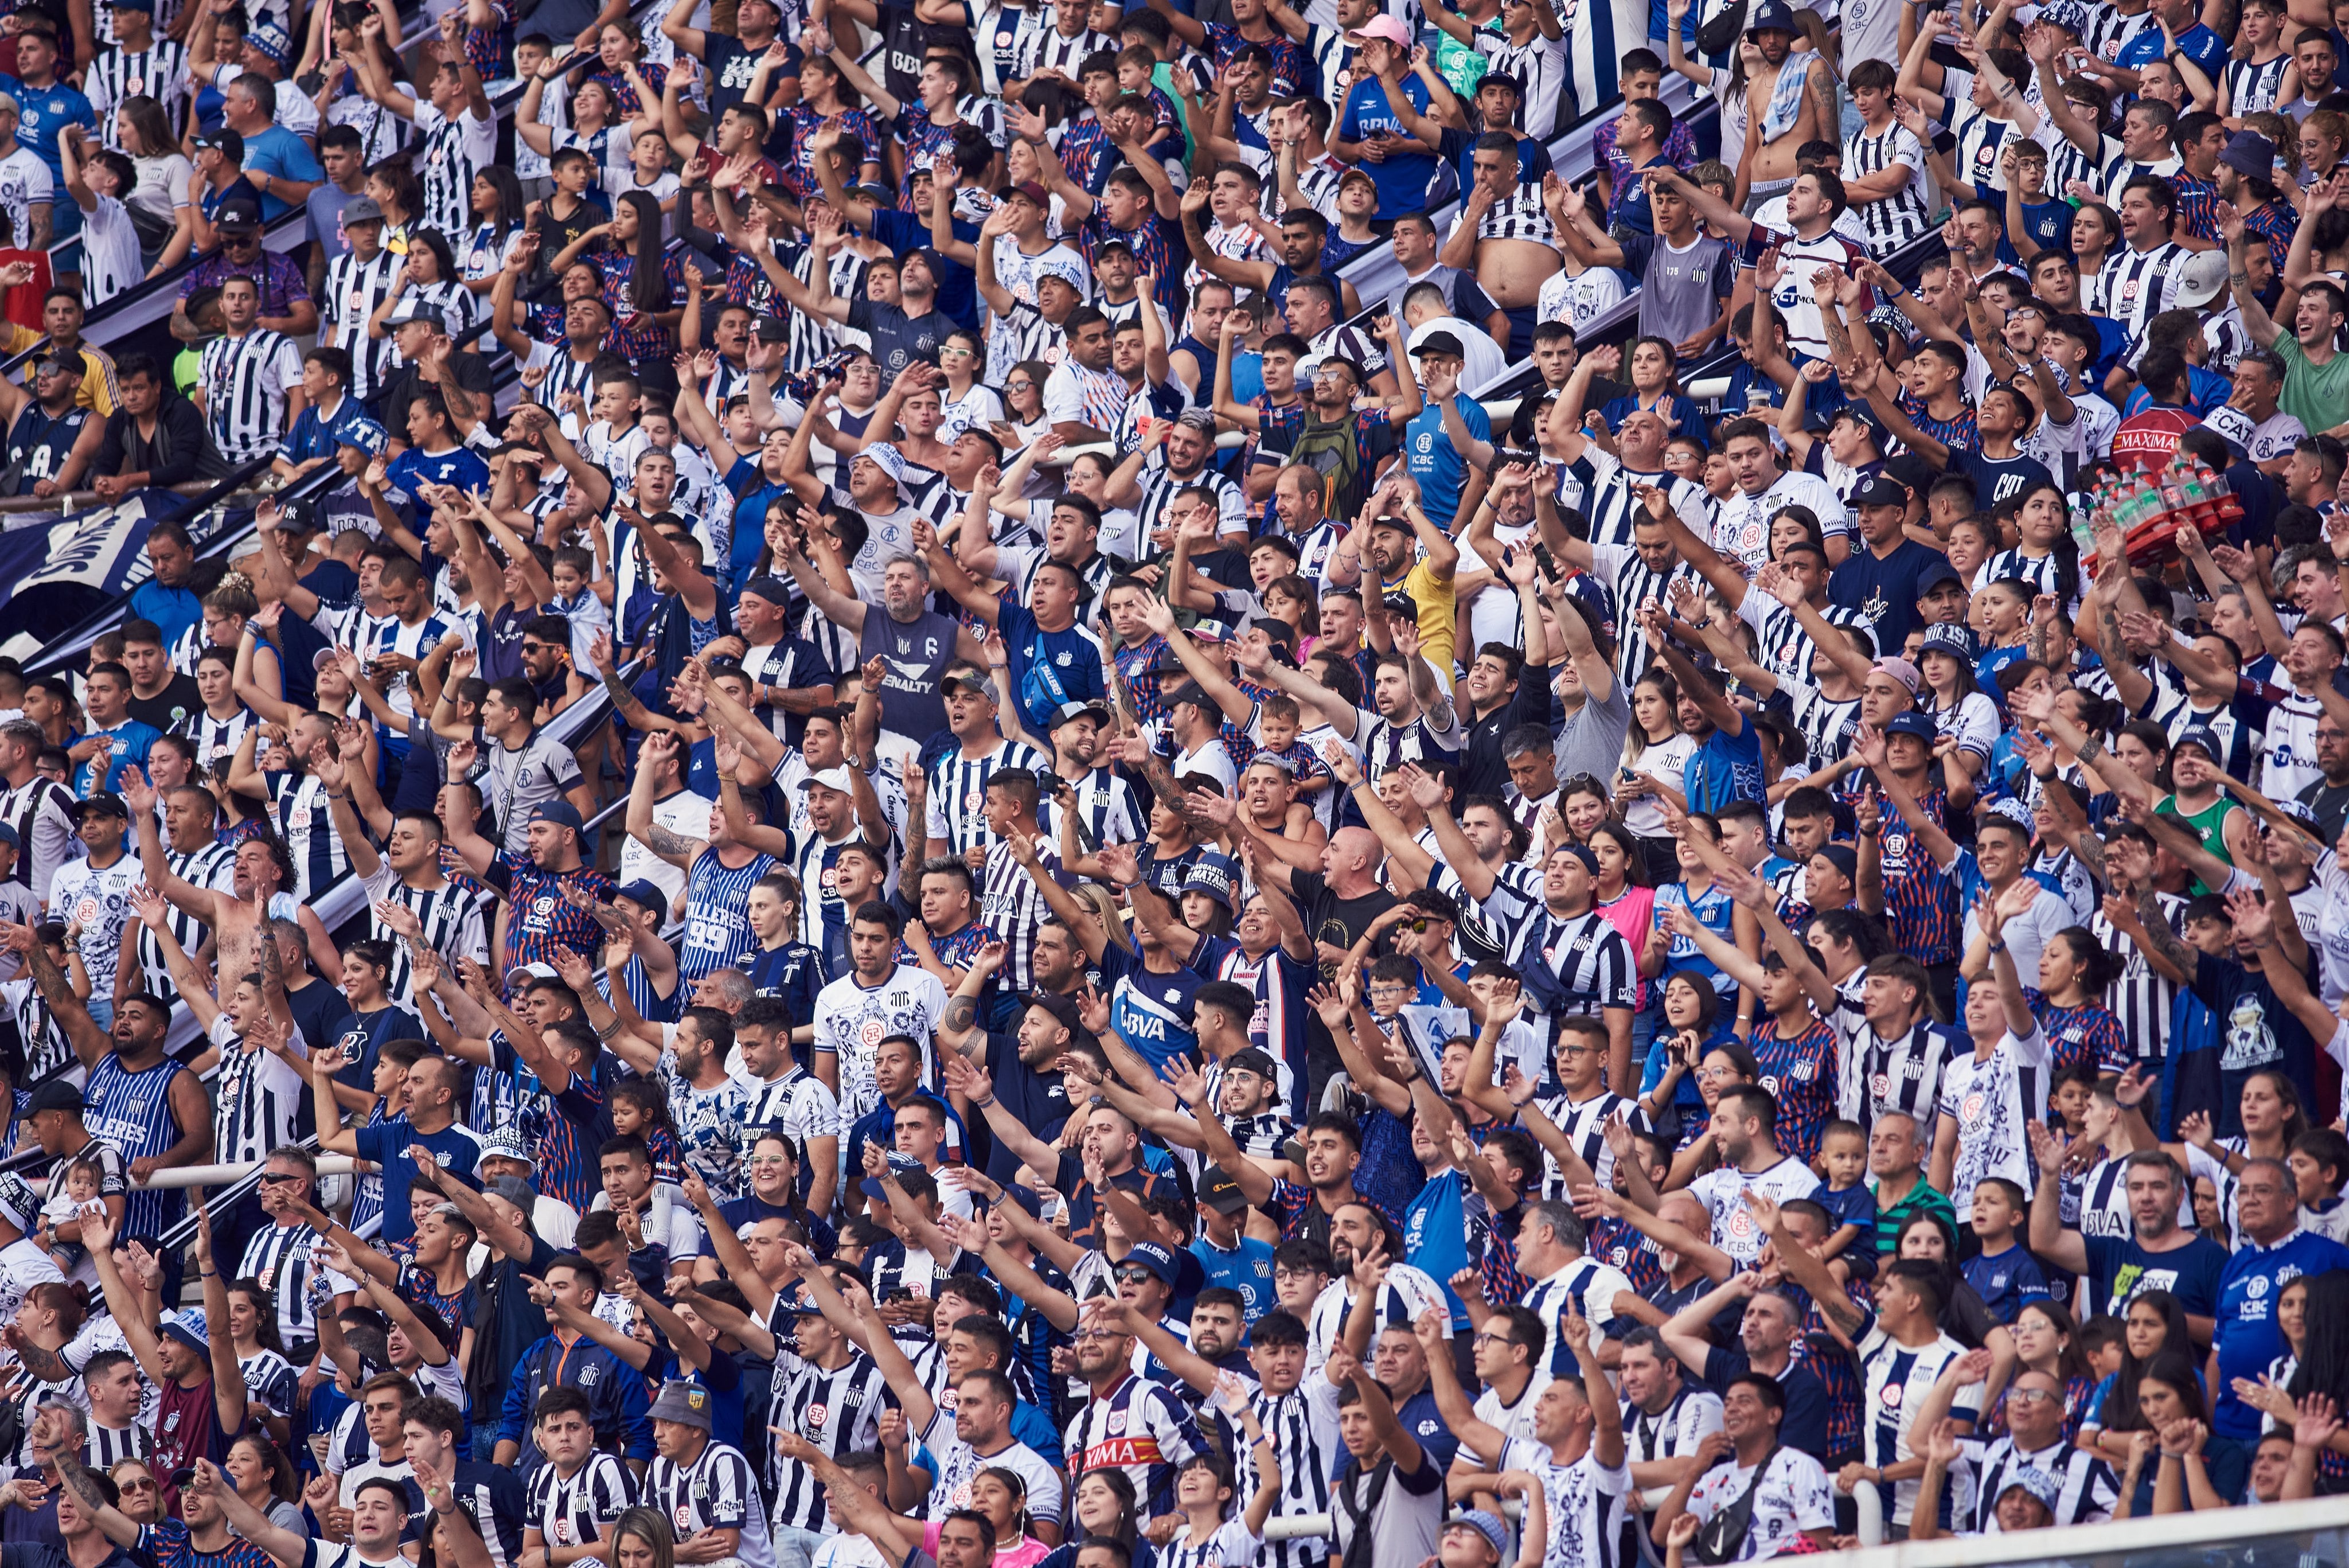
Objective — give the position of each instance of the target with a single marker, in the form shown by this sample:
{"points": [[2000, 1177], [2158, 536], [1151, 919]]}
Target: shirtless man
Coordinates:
{"points": [[1785, 120], [236, 918]]}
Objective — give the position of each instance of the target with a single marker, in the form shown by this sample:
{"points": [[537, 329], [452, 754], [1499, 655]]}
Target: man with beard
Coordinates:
{"points": [[918, 644], [1128, 1421], [1025, 1062], [1337, 442], [1106, 808], [1071, 537]]}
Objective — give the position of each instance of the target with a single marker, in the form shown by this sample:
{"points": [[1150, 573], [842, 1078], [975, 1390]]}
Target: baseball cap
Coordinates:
{"points": [[1386, 28], [642, 892], [416, 310], [1214, 874], [515, 1189], [772, 589], [2200, 735], [1948, 639], [8, 836], [1096, 710], [57, 1095], [228, 143], [1063, 1009], [106, 803], [363, 433], [236, 212], [1912, 724], [362, 210], [1220, 1190], [524, 974], [1028, 190], [830, 778], [1585, 855], [1935, 575], [561, 813], [1772, 17], [2200, 279], [2035, 1481], [1903, 671], [1440, 343], [1882, 491]]}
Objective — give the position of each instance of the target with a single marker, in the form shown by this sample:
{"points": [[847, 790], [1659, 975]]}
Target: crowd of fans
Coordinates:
{"points": [[1041, 890]]}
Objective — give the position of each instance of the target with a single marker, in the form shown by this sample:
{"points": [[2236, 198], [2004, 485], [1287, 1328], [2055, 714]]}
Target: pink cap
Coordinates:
{"points": [[1383, 27]]}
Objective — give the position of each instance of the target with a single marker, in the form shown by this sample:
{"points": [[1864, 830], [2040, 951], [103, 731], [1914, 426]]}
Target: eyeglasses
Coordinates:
{"points": [[1018, 385], [1482, 1340], [769, 1159], [2031, 1396]]}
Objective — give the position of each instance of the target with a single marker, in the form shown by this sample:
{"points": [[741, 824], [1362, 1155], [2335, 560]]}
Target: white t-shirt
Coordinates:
{"points": [[1793, 1497], [1722, 1194], [111, 244], [24, 180]]}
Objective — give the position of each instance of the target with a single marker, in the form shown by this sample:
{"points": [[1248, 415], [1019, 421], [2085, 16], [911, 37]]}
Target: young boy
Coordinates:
{"points": [[2004, 1274], [1842, 1164], [612, 439], [1278, 723]]}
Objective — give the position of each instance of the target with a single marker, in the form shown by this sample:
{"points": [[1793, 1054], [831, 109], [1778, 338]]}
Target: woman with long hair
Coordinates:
{"points": [[2268, 1107], [1653, 370], [1656, 750], [2075, 970], [1925, 1237], [265, 1478], [2270, 1392], [2323, 135], [2045, 555], [1972, 542], [646, 281], [499, 220], [641, 1538], [1023, 398], [1668, 951], [634, 82], [1693, 1023], [158, 203], [965, 399], [2153, 1323], [394, 189], [1103, 1502], [2046, 1340], [429, 279], [999, 1493], [260, 1352], [1954, 700], [2198, 1474], [2096, 231]]}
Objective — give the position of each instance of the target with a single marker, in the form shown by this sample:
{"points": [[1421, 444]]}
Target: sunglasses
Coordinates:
{"points": [[1135, 1276]]}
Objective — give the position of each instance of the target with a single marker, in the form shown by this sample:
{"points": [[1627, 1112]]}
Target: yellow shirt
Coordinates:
{"points": [[99, 392], [1439, 615]]}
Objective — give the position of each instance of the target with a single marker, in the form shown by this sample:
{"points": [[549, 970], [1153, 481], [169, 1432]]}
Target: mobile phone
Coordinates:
{"points": [[1546, 560]]}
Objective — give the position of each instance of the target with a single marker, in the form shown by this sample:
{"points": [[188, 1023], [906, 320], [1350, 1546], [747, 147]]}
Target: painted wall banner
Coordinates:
{"points": [[54, 570]]}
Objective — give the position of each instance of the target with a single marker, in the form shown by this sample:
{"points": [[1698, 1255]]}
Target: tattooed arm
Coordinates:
{"points": [[89, 1041], [959, 1031], [115, 1525], [673, 847], [2158, 940]]}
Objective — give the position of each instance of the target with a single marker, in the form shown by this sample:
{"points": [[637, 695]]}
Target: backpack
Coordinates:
{"points": [[1333, 452]]}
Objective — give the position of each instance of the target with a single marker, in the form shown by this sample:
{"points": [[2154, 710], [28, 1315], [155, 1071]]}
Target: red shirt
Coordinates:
{"points": [[2147, 441], [24, 303]]}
